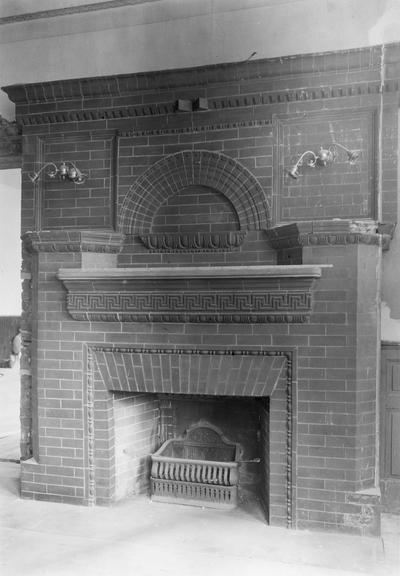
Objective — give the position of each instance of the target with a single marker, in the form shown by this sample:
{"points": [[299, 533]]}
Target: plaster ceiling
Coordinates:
{"points": [[13, 7], [21, 10], [26, 20]]}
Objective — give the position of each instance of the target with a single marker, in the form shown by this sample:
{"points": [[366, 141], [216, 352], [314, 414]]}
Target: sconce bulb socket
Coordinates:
{"points": [[325, 157], [294, 173], [63, 171], [353, 156]]}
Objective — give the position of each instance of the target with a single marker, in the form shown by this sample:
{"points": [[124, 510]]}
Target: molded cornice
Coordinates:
{"points": [[266, 98], [73, 241], [123, 275], [330, 232], [347, 61]]}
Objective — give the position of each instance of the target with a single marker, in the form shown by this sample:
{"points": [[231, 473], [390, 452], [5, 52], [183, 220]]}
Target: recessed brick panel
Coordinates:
{"points": [[339, 190], [88, 205]]}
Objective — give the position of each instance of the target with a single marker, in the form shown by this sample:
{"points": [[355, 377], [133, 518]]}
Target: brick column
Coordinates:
{"points": [[338, 378], [54, 464]]}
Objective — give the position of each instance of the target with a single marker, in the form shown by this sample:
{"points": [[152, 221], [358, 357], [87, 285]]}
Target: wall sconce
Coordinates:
{"points": [[66, 170], [324, 157]]}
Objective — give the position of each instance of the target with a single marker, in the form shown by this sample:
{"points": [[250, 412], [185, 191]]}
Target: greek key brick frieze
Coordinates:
{"points": [[195, 302], [191, 294], [191, 307]]}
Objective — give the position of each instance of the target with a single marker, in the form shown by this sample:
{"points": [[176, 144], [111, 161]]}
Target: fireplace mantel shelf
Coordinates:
{"points": [[250, 294], [191, 272]]}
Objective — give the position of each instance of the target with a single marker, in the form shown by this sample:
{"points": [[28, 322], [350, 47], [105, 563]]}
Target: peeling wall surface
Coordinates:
{"points": [[390, 330], [10, 258]]}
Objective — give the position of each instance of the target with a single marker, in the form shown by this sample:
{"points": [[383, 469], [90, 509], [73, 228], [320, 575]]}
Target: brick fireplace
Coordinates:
{"points": [[188, 278], [248, 415], [149, 394]]}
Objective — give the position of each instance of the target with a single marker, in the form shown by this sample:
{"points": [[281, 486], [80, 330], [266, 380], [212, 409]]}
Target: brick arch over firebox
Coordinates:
{"points": [[167, 177]]}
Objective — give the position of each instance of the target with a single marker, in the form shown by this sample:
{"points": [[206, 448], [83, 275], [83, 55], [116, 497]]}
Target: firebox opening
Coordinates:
{"points": [[143, 422]]}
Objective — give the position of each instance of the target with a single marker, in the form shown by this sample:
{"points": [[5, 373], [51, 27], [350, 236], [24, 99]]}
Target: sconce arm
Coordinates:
{"points": [[324, 157], [352, 155], [34, 177], [312, 163], [294, 171], [337, 145], [67, 170]]}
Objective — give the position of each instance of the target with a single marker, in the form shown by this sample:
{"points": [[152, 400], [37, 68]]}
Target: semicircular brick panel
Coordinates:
{"points": [[168, 176], [205, 372]]}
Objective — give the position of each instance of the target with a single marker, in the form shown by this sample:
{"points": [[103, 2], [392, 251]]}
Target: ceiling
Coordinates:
{"points": [[13, 11]]}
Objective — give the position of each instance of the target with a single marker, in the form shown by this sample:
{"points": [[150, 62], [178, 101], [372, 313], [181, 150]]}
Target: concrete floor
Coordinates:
{"points": [[141, 538]]}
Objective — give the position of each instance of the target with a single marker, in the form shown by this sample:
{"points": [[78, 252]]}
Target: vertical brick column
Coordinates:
{"points": [[338, 374], [54, 388]]}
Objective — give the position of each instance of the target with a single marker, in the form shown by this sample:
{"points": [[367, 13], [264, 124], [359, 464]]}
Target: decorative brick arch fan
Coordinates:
{"points": [[169, 176]]}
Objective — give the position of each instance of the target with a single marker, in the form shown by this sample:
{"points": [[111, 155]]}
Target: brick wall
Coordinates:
{"points": [[254, 250], [265, 451], [154, 170], [89, 205], [136, 425], [263, 119], [195, 209], [335, 442]]}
